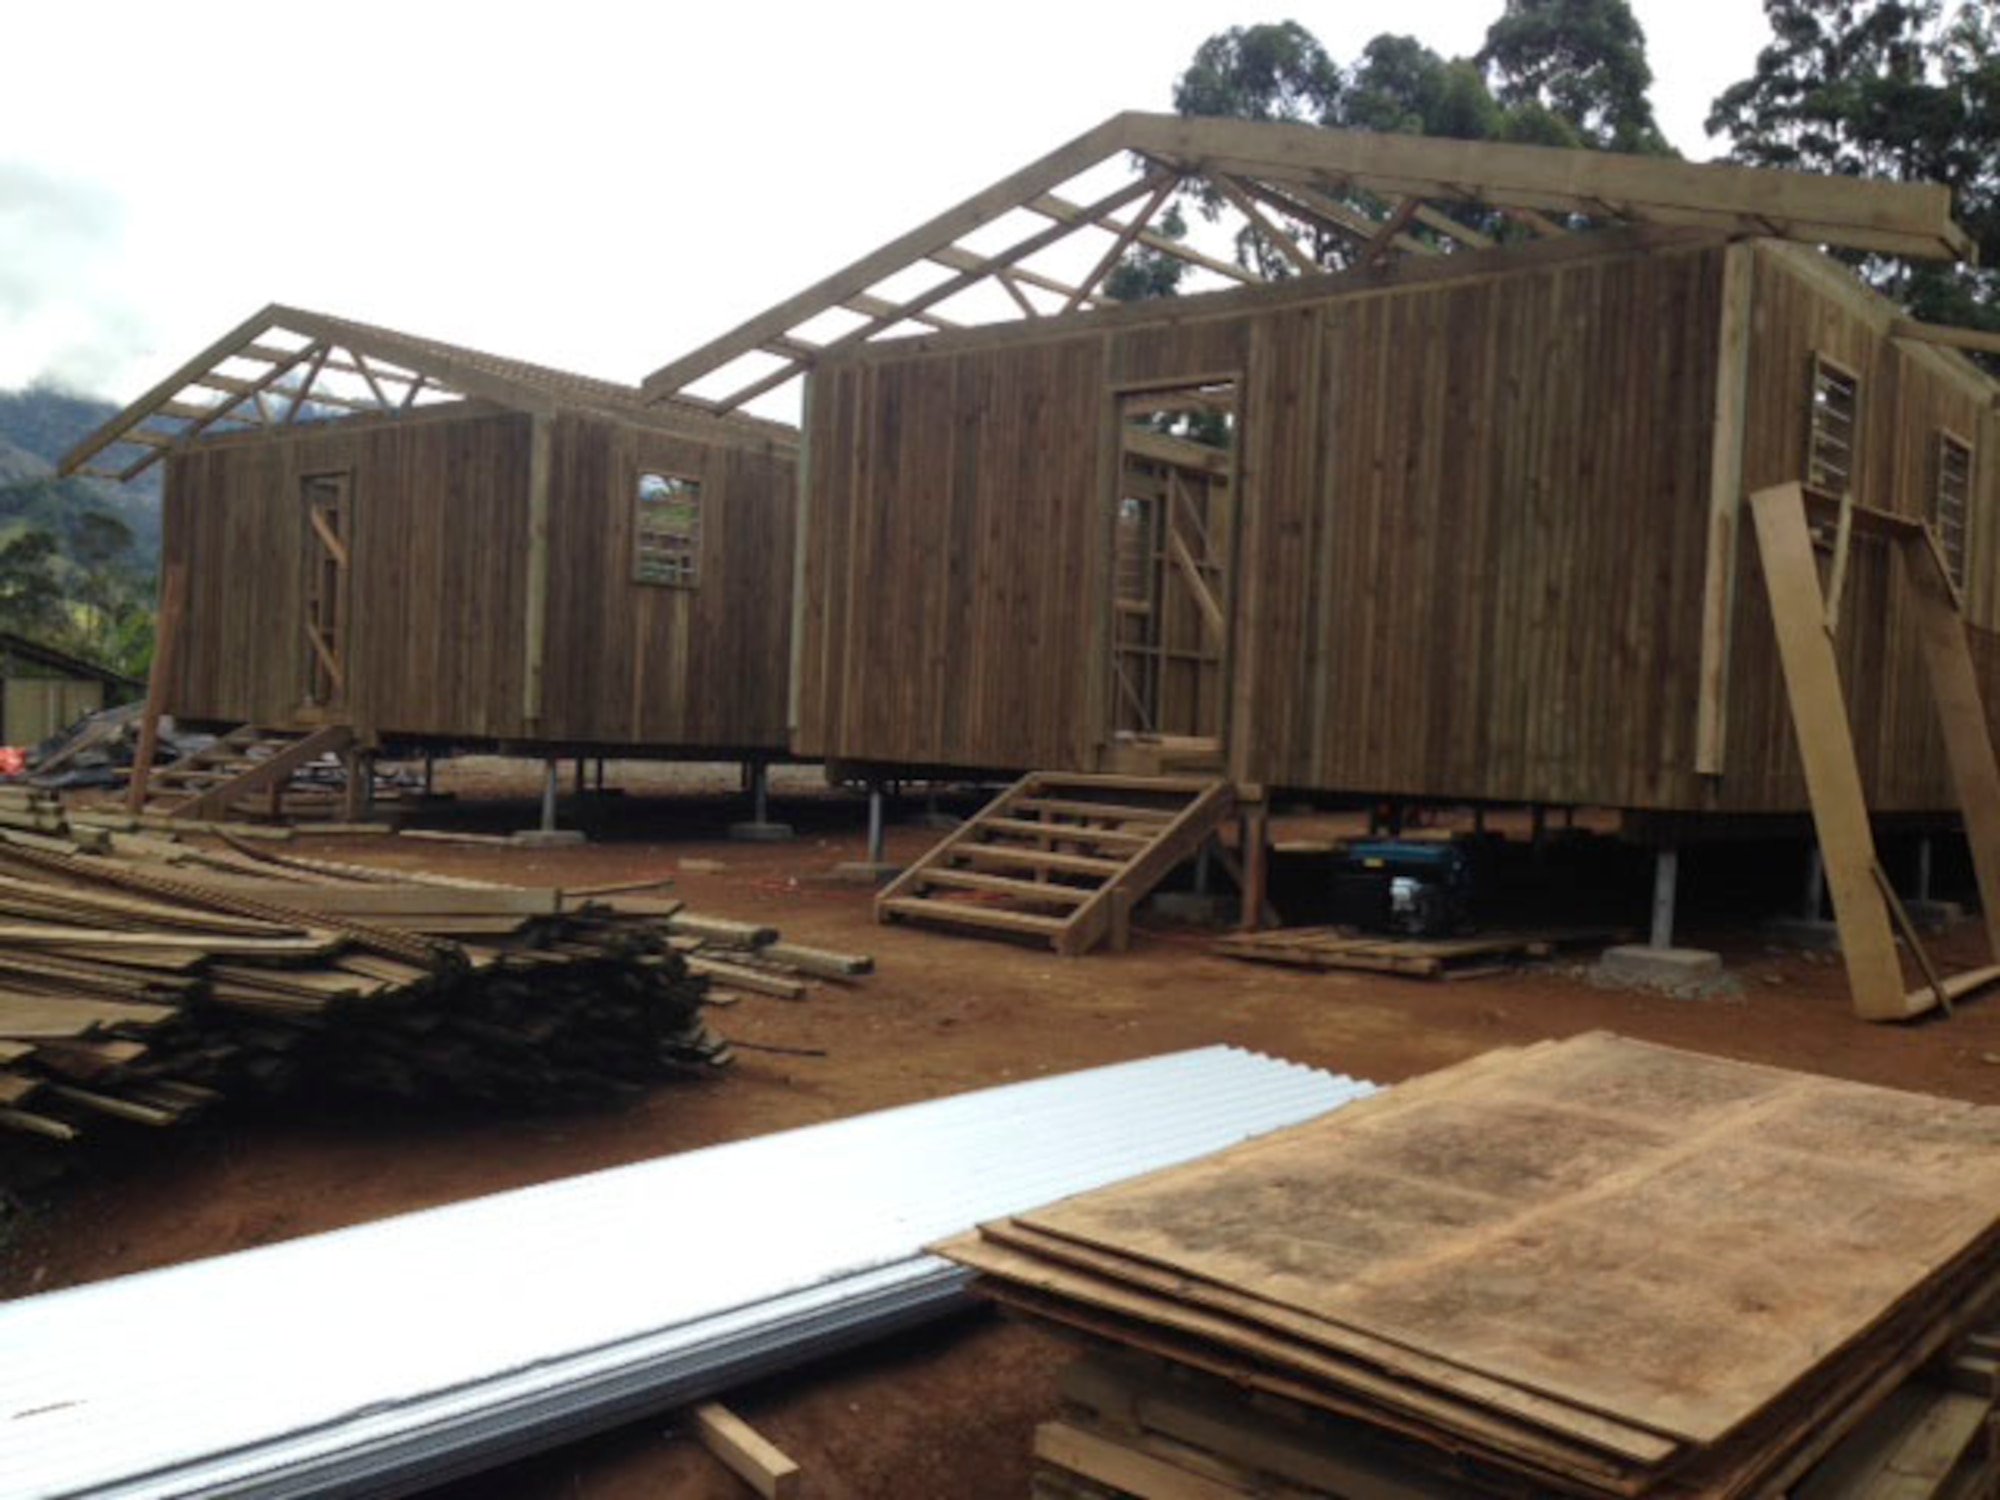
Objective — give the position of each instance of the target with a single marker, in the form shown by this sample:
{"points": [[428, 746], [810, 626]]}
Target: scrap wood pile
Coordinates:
{"points": [[1591, 1268], [143, 983]]}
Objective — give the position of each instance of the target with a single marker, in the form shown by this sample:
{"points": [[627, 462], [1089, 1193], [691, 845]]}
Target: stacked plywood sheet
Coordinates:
{"points": [[139, 985], [1593, 1268]]}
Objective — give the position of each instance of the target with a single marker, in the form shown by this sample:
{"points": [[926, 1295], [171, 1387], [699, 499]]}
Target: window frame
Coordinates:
{"points": [[682, 571], [1825, 370], [1958, 564]]}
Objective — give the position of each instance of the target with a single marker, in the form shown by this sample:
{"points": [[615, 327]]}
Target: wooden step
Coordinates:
{"points": [[1185, 786], [1111, 812], [1009, 857], [1001, 885], [970, 916], [1066, 833], [1127, 863]]}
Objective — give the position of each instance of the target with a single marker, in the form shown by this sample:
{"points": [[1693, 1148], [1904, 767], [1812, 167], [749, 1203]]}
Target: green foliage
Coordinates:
{"points": [[1402, 87], [1574, 63], [31, 591], [1146, 273], [1570, 73], [77, 556], [1271, 72], [1901, 89]]}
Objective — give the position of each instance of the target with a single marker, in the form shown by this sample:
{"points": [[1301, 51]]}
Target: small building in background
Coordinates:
{"points": [[43, 690]]}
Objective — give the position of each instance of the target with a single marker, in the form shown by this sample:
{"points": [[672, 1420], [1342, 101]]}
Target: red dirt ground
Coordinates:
{"points": [[947, 1411]]}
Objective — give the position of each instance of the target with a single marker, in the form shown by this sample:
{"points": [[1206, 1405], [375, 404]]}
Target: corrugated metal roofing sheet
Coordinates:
{"points": [[372, 1359]]}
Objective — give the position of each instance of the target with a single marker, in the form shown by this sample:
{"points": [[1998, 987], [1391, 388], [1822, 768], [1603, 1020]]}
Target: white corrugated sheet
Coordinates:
{"points": [[375, 1359]]}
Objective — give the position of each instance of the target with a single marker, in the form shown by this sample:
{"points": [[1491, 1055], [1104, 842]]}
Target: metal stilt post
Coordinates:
{"points": [[1666, 878]]}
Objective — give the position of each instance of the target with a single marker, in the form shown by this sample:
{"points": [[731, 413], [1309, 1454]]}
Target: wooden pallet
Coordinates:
{"points": [[1427, 958], [247, 761], [1063, 858]]}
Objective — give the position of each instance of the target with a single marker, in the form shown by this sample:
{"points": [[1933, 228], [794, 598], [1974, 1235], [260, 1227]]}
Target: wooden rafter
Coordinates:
{"points": [[1122, 241], [1319, 206], [1331, 180], [390, 371], [1011, 285], [1049, 205], [1240, 198]]}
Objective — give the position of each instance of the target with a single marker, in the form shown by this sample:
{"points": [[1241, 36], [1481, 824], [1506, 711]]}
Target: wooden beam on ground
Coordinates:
{"points": [[1826, 746], [745, 1452], [166, 646]]}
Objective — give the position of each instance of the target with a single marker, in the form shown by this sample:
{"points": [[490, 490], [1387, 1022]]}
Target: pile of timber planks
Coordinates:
{"points": [[1593, 1268], [142, 984]]}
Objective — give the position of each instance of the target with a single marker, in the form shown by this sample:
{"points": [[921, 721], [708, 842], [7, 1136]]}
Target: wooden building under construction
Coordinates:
{"points": [[1446, 504], [1471, 530], [428, 546]]}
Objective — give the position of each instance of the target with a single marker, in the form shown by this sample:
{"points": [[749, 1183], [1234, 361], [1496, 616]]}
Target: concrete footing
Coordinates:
{"points": [[760, 833], [865, 872], [1194, 907], [1935, 916], [1687, 973], [548, 838], [1809, 934]]}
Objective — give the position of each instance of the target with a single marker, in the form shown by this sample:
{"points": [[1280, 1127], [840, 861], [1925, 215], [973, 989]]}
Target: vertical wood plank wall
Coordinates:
{"points": [[439, 583], [659, 665], [1907, 392], [435, 624], [1471, 549]]}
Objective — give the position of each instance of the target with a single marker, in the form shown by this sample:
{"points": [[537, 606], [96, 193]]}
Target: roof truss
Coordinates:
{"points": [[286, 367], [1303, 202]]}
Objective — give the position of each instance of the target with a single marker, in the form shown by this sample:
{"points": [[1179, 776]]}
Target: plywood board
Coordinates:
{"points": [[1666, 1238]]}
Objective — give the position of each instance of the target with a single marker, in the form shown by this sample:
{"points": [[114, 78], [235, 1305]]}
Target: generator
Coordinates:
{"points": [[1407, 887]]}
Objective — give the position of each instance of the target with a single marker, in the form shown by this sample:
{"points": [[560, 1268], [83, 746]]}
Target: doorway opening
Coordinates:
{"points": [[1173, 549], [329, 531]]}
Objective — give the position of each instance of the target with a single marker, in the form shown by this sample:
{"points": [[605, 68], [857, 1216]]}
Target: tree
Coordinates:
{"points": [[1578, 62], [1402, 87], [31, 592], [1271, 72], [1145, 273], [1898, 89]]}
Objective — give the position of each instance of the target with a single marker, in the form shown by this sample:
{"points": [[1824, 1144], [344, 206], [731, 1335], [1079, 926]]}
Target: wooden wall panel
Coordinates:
{"points": [[1906, 393], [439, 577], [668, 667], [435, 608], [1472, 541], [1503, 535]]}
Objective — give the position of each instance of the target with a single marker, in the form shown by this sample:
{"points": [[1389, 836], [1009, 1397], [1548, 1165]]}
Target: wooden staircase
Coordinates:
{"points": [[247, 761], [1062, 858]]}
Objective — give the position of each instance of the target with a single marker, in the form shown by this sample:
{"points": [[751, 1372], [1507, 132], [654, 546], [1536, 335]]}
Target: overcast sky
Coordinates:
{"points": [[595, 186]]}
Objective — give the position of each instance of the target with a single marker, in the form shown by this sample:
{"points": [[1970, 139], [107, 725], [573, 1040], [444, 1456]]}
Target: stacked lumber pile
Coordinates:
{"points": [[1593, 1268], [141, 984]]}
